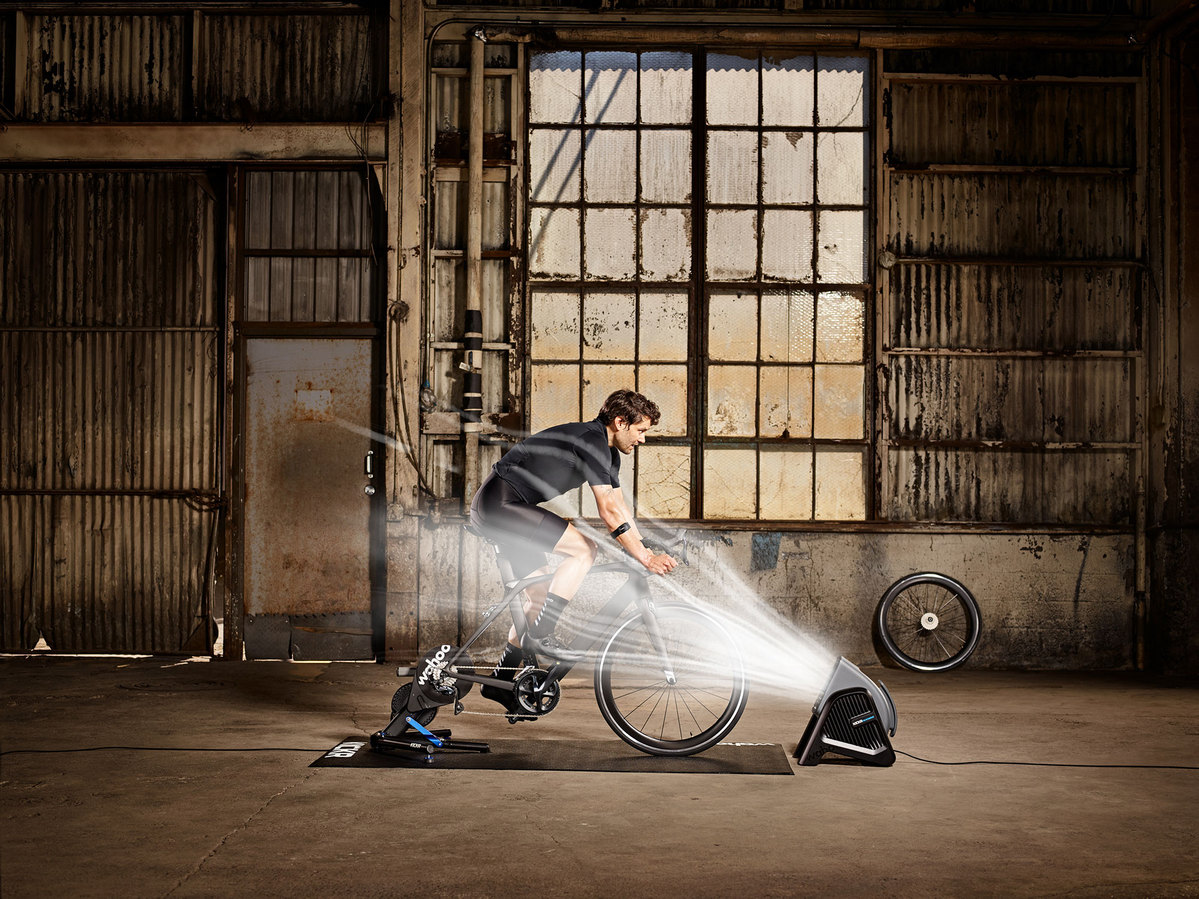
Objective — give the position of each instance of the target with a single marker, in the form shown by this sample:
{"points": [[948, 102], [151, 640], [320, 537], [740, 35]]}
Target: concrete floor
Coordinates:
{"points": [[190, 823]]}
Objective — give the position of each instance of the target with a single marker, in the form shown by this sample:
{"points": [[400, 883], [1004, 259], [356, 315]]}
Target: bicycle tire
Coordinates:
{"points": [[928, 622], [695, 712]]}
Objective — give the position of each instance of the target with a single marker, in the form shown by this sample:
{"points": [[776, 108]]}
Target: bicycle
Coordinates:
{"points": [[669, 678], [928, 622]]}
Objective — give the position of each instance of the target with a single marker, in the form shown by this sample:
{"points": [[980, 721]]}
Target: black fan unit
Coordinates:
{"points": [[852, 718]]}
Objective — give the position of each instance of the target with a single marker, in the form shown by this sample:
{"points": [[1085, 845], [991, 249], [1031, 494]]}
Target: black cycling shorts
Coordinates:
{"points": [[525, 532]]}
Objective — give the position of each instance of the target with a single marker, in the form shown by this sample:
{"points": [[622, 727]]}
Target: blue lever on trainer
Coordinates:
{"points": [[420, 728]]}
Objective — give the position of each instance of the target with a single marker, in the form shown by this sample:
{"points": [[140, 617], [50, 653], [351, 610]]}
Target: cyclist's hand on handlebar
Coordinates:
{"points": [[661, 563]]}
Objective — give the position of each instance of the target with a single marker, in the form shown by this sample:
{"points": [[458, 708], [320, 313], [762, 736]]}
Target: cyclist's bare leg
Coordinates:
{"points": [[534, 601], [580, 552]]}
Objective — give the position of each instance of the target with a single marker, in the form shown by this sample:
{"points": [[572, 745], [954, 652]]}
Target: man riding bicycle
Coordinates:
{"points": [[538, 469]]}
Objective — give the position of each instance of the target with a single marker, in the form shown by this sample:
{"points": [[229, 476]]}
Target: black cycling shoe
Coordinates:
{"points": [[508, 700], [549, 647]]}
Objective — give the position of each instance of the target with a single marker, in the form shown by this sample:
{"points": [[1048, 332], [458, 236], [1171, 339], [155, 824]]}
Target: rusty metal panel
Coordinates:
{"points": [[1027, 214], [1085, 124], [110, 410], [105, 68], [1024, 400], [111, 249], [950, 484], [316, 68], [109, 350], [987, 307], [306, 516], [105, 573]]}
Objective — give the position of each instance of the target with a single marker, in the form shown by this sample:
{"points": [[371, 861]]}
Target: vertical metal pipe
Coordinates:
{"points": [[472, 387]]}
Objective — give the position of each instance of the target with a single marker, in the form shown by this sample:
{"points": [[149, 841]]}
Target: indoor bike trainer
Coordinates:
{"points": [[852, 717]]}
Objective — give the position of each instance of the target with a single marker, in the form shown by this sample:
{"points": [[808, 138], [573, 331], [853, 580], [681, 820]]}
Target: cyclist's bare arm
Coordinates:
{"points": [[615, 512]]}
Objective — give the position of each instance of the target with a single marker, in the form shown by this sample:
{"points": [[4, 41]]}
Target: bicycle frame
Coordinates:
{"points": [[633, 591]]}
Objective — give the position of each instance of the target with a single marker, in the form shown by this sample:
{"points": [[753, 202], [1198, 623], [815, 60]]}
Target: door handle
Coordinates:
{"points": [[368, 467]]}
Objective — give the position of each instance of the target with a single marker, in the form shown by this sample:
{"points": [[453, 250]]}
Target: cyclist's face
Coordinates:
{"points": [[630, 435]]}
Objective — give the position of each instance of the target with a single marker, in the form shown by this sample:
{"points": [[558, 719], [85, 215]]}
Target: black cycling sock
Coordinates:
{"points": [[543, 625], [510, 660]]}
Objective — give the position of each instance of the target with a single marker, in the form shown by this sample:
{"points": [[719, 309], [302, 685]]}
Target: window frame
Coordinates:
{"points": [[699, 289]]}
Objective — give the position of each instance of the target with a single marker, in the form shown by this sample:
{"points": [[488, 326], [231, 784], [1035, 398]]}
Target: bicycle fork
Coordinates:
{"points": [[655, 633]]}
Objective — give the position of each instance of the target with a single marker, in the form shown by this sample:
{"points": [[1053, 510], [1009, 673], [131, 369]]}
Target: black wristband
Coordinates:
{"points": [[620, 530]]}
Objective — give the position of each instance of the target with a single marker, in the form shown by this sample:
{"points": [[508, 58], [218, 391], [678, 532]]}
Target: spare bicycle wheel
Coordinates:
{"points": [[928, 622]]}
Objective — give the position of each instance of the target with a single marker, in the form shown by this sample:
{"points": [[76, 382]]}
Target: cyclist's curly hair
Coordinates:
{"points": [[631, 406]]}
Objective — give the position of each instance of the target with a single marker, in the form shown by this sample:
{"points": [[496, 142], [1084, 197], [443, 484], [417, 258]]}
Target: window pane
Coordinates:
{"points": [[840, 487], [840, 327], [732, 244], [666, 166], [842, 255], [666, 385], [554, 398], [553, 166], [610, 243], [841, 92], [733, 326], [663, 327], [732, 89], [610, 87], [787, 244], [663, 481], [732, 168], [555, 326], [840, 403], [732, 400], [598, 383], [787, 173], [786, 484], [609, 326], [787, 91], [666, 88], [611, 167], [554, 87], [554, 243], [788, 326], [785, 407], [665, 244], [841, 160], [730, 483]]}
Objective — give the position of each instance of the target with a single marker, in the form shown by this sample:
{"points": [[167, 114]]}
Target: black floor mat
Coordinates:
{"points": [[567, 755]]}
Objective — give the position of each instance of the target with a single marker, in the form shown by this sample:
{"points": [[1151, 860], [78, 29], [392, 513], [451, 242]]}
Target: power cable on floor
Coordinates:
{"points": [[1049, 764], [162, 749]]}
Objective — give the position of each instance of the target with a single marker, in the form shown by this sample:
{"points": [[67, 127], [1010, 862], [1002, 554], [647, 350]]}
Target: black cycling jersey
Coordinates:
{"points": [[559, 459]]}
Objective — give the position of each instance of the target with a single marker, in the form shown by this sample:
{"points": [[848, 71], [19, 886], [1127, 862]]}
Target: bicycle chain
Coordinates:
{"points": [[458, 711]]}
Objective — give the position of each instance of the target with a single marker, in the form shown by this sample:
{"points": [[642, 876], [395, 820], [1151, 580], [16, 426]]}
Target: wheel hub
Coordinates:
{"points": [[929, 621]]}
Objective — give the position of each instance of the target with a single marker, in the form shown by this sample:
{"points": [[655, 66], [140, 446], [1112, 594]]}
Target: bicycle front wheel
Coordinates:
{"points": [[673, 683], [928, 622]]}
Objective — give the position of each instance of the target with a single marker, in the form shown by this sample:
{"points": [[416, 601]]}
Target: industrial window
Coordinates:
{"points": [[307, 247], [697, 224]]}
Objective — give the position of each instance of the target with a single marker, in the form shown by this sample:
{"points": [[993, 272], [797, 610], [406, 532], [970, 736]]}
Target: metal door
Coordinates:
{"points": [[306, 515]]}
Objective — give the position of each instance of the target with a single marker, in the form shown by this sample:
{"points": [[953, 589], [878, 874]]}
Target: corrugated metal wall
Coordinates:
{"points": [[1009, 294], [211, 66], [315, 68], [110, 356], [98, 67]]}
